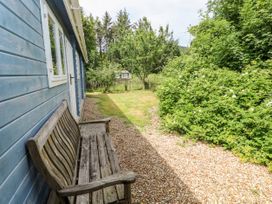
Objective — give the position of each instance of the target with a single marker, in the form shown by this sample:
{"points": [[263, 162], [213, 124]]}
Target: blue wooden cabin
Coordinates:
{"points": [[42, 50]]}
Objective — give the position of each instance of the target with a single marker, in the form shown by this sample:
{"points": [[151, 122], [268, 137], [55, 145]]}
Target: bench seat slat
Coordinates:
{"points": [[108, 162], [109, 192], [92, 128], [97, 196], [115, 167], [83, 175]]}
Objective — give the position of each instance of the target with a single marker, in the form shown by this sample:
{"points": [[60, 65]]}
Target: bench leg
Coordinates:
{"points": [[107, 127], [54, 198], [128, 193]]}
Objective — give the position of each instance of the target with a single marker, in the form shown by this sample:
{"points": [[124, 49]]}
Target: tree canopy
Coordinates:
{"points": [[234, 33], [136, 47]]}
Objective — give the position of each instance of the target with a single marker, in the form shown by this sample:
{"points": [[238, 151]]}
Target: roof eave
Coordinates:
{"points": [[74, 14]]}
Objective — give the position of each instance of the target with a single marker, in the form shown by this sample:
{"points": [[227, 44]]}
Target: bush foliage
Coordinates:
{"points": [[103, 78], [222, 106], [221, 91]]}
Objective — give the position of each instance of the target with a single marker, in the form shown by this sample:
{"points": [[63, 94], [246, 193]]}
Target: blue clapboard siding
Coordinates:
{"points": [[79, 88], [19, 9], [38, 192], [37, 2], [79, 84], [24, 188], [27, 127], [15, 86], [11, 65], [26, 101], [13, 23], [33, 8], [82, 71], [12, 43], [17, 177], [15, 108], [80, 78], [76, 66]]}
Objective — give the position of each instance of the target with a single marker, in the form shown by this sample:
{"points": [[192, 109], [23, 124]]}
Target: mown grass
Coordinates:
{"points": [[134, 84], [133, 106]]}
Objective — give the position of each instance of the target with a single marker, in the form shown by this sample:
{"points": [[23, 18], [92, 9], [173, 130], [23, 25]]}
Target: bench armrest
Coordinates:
{"points": [[104, 120], [120, 178]]}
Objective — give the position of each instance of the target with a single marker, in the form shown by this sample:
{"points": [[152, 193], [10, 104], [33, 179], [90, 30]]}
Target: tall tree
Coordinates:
{"points": [[90, 40], [120, 44], [99, 35], [226, 9], [122, 24], [121, 28], [143, 51], [107, 31]]}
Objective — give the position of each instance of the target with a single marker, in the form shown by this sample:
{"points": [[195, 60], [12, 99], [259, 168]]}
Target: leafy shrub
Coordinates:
{"points": [[104, 77], [246, 26], [154, 81], [256, 32], [216, 41], [221, 106]]}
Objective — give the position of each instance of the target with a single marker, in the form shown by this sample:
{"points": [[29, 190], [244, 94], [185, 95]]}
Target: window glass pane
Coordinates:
{"points": [[61, 39], [53, 44]]}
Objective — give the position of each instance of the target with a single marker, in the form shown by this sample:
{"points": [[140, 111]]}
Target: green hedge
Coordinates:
{"points": [[229, 108]]}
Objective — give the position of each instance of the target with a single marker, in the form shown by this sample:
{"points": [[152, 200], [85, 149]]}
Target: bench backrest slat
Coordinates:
{"points": [[54, 148]]}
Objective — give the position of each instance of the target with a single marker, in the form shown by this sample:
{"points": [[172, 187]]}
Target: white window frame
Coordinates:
{"points": [[61, 77]]}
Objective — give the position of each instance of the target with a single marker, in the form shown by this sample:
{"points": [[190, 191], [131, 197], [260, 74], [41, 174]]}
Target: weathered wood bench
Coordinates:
{"points": [[78, 161]]}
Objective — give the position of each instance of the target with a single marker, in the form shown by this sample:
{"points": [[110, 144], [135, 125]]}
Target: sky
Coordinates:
{"points": [[179, 14]]}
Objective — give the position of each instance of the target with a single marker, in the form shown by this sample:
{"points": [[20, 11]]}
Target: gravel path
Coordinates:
{"points": [[174, 171]]}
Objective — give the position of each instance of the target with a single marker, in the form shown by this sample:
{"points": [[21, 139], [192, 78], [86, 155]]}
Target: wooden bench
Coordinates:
{"points": [[78, 161]]}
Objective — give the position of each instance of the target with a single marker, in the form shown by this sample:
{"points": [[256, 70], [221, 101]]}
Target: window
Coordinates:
{"points": [[52, 35], [62, 54], [54, 47]]}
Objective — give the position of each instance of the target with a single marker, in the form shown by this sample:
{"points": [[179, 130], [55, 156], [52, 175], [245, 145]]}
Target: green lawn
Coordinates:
{"points": [[131, 106]]}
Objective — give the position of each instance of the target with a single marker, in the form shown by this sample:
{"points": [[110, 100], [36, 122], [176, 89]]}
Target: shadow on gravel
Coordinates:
{"points": [[157, 182]]}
